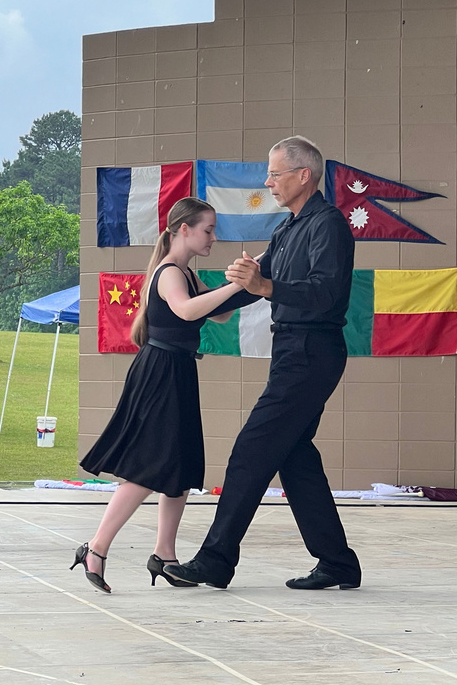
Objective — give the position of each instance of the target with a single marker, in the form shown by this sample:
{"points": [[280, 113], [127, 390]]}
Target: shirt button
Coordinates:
{"points": [[277, 272], [281, 249]]}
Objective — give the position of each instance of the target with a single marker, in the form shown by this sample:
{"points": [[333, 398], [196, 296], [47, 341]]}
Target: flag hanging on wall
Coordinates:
{"points": [[355, 193], [391, 314], [414, 313], [247, 332], [118, 302], [244, 206], [133, 203]]}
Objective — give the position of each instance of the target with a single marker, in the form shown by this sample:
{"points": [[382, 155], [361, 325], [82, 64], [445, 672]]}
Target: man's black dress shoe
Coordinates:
{"points": [[318, 580], [194, 572]]}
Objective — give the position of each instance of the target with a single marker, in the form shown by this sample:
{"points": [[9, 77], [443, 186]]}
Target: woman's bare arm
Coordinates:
{"points": [[173, 288]]}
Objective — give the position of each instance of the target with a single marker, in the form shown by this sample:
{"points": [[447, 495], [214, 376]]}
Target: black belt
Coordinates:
{"points": [[302, 327], [174, 348]]}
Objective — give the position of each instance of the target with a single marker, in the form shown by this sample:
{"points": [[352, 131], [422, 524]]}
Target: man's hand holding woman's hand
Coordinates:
{"points": [[245, 271]]}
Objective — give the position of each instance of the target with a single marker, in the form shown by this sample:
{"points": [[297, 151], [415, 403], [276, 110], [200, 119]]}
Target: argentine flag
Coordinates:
{"points": [[133, 203], [244, 206]]}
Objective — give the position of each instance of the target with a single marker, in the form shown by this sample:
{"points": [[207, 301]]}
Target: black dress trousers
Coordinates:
{"points": [[305, 369]]}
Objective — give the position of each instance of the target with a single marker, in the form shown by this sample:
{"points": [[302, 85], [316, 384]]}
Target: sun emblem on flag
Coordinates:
{"points": [[255, 200], [358, 217], [357, 187]]}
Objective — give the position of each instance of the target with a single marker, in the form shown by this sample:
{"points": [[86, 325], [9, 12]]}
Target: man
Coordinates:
{"points": [[306, 274]]}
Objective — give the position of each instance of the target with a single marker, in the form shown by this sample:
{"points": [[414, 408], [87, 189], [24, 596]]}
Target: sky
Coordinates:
{"points": [[40, 51]]}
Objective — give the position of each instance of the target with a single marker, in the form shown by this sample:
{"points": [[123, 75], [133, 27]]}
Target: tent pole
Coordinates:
{"points": [[10, 371], [51, 372]]}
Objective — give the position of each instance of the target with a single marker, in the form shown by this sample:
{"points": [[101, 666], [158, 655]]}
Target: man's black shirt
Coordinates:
{"points": [[310, 261]]}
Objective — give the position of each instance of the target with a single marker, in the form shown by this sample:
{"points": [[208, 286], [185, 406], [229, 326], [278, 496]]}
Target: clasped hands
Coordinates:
{"points": [[245, 271]]}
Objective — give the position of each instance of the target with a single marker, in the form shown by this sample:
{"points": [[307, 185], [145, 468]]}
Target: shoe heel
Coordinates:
{"points": [[348, 586], [154, 575], [77, 561]]}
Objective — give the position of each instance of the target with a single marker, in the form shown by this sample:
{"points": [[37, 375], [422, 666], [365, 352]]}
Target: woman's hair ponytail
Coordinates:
{"points": [[139, 332]]}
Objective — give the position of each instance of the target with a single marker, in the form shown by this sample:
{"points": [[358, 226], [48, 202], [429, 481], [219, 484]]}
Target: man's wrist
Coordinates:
{"points": [[266, 288]]}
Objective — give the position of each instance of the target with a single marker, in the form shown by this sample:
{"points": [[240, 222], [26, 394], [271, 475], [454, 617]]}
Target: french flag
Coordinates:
{"points": [[133, 203]]}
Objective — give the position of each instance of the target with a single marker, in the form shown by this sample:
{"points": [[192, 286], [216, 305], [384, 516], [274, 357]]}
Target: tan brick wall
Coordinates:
{"points": [[374, 85]]}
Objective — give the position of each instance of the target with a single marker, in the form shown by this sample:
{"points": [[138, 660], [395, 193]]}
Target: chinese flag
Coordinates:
{"points": [[118, 303]]}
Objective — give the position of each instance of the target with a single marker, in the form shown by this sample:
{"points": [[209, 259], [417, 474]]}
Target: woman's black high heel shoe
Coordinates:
{"points": [[80, 558], [155, 567]]}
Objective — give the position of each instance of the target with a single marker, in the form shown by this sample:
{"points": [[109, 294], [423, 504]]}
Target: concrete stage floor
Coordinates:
{"points": [[400, 628]]}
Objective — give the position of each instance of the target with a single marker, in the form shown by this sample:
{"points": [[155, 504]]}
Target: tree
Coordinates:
{"points": [[50, 160], [33, 234], [58, 179], [53, 132]]}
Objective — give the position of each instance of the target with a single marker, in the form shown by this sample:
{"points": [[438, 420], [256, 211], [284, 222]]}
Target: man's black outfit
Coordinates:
{"points": [[310, 262]]}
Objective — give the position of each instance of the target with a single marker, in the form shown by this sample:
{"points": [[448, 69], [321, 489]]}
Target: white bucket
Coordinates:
{"points": [[45, 434]]}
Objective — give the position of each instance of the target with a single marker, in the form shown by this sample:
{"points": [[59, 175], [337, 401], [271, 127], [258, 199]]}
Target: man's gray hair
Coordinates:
{"points": [[301, 152]]}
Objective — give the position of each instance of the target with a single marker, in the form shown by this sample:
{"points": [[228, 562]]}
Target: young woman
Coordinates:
{"points": [[154, 439]]}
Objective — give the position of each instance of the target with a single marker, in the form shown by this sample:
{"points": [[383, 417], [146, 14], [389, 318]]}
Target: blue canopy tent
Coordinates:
{"points": [[61, 307]]}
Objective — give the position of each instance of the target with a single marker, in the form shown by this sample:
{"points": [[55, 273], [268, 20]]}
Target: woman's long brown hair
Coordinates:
{"points": [[186, 211]]}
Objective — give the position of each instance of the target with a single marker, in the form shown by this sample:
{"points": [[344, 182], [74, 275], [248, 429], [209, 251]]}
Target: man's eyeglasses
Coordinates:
{"points": [[274, 175]]}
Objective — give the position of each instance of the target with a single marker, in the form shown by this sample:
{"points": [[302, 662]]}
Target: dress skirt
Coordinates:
{"points": [[155, 436]]}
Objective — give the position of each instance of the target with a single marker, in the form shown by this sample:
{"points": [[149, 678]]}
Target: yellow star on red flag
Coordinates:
{"points": [[115, 323], [115, 295]]}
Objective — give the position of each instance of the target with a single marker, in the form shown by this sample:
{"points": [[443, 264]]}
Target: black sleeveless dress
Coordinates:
{"points": [[155, 437]]}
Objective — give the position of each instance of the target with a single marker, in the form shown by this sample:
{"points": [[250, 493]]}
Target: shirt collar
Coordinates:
{"points": [[307, 209]]}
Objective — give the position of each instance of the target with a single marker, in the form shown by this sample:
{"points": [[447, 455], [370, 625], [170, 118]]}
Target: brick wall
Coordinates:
{"points": [[374, 85]]}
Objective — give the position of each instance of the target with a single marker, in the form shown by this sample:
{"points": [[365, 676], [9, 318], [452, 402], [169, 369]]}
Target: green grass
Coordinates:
{"points": [[20, 458]]}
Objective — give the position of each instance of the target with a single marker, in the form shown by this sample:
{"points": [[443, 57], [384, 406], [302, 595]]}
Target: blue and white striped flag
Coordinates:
{"points": [[245, 208]]}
